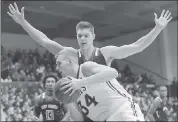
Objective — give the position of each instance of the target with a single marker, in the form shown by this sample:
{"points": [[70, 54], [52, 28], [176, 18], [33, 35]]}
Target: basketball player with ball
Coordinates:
{"points": [[98, 94], [86, 35]]}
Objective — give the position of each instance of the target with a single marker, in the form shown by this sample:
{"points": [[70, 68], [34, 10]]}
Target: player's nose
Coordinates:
{"points": [[57, 69]]}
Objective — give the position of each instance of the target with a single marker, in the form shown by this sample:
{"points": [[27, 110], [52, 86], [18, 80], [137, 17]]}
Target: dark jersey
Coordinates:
{"points": [[51, 109], [96, 56], [160, 113]]}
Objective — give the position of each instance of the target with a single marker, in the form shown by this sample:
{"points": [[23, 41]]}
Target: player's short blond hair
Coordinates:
{"points": [[85, 24], [69, 53]]}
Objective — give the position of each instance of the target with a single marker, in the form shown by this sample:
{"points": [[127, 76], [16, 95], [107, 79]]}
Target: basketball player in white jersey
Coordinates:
{"points": [[102, 98], [86, 35]]}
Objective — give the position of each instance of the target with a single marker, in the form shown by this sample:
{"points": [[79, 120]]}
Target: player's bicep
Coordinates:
{"points": [[119, 52], [154, 106]]}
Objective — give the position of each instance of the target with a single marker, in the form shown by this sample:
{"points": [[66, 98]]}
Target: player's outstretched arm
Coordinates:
{"points": [[35, 34], [142, 43], [151, 111]]}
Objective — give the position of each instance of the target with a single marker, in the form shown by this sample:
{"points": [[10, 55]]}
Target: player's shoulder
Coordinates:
{"points": [[157, 100], [107, 48], [66, 48]]}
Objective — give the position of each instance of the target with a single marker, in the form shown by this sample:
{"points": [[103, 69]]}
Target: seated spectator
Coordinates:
{"points": [[2, 80], [22, 75], [8, 79]]}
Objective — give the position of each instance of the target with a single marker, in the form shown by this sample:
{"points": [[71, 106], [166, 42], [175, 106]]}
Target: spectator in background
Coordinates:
{"points": [[2, 80], [31, 77], [36, 53], [17, 55], [45, 58], [4, 67], [2, 50], [18, 64], [3, 114], [8, 79], [22, 75], [30, 56]]}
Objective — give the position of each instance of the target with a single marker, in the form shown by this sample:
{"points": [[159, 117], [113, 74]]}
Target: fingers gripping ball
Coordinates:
{"points": [[65, 98]]}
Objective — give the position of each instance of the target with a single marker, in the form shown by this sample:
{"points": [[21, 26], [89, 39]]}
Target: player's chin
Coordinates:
{"points": [[50, 88], [83, 46]]}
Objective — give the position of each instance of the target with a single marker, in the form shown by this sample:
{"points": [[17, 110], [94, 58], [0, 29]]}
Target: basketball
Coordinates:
{"points": [[65, 98]]}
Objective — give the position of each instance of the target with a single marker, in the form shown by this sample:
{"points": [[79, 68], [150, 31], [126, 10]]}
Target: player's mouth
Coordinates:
{"points": [[83, 43]]}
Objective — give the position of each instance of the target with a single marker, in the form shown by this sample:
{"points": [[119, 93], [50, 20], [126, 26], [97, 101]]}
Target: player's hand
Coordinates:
{"points": [[163, 20], [17, 16], [71, 85]]}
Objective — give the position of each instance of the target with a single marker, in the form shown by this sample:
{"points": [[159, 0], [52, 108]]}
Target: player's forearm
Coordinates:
{"points": [[35, 34], [146, 40], [41, 38], [100, 77]]}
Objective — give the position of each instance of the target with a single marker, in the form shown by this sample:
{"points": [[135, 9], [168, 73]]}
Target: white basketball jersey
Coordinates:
{"points": [[99, 101]]}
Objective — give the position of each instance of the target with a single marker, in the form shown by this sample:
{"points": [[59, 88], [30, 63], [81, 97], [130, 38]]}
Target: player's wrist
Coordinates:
{"points": [[158, 28], [80, 83], [23, 22]]}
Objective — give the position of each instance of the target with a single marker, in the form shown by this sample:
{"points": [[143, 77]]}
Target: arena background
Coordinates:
{"points": [[24, 62]]}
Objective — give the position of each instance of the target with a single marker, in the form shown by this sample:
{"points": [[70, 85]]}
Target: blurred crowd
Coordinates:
{"points": [[17, 67], [17, 101], [25, 65]]}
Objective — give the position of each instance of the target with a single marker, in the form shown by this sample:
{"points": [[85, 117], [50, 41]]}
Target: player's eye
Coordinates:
{"points": [[86, 36], [79, 36]]}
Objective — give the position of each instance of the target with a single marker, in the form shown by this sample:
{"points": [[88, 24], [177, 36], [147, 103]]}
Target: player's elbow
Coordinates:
{"points": [[112, 73]]}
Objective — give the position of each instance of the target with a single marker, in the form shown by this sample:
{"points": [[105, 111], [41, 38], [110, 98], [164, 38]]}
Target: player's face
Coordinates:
{"points": [[163, 91], [85, 38], [50, 83], [65, 67]]}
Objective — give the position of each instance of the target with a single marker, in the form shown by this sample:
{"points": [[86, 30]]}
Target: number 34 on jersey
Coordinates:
{"points": [[86, 102]]}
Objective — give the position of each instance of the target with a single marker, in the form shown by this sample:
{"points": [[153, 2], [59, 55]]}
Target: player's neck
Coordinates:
{"points": [[87, 52], [162, 97], [49, 93]]}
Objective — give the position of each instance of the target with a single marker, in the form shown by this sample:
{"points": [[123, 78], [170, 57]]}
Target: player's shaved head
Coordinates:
{"points": [[67, 53]]}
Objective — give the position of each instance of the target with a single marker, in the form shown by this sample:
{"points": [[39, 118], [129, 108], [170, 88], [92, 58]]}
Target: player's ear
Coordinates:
{"points": [[94, 36]]}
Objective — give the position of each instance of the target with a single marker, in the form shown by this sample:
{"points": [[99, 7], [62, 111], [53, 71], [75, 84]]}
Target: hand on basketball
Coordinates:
{"points": [[71, 85], [163, 20], [17, 16]]}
